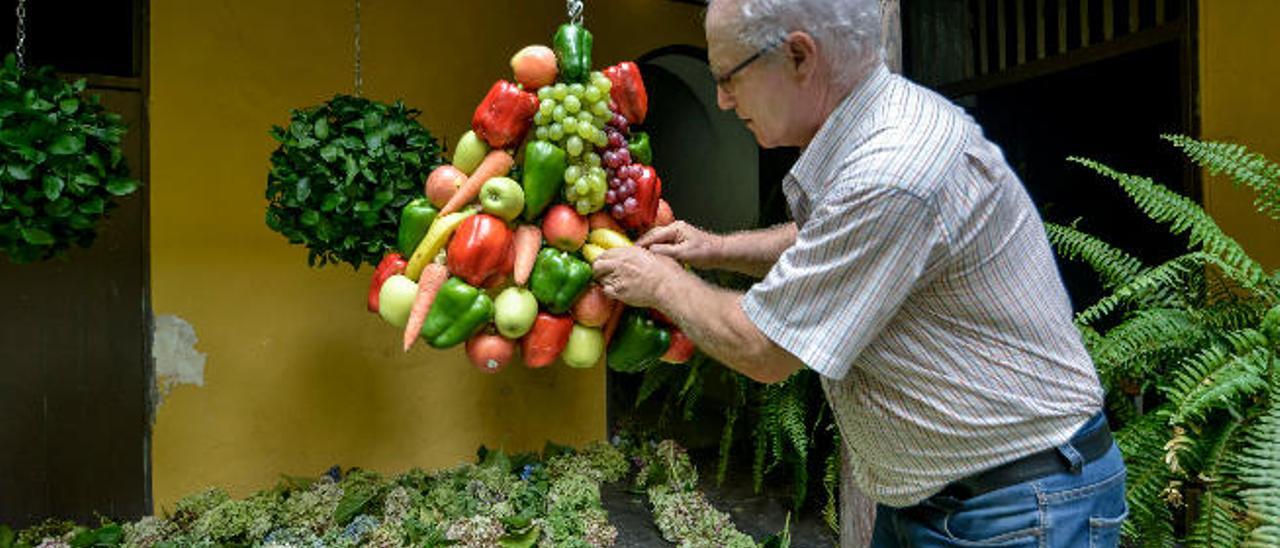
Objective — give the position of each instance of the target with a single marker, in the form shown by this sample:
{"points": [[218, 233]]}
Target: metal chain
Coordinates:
{"points": [[22, 35], [575, 8], [359, 79]]}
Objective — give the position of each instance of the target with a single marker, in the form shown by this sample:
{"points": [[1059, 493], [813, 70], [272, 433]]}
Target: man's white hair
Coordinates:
{"points": [[848, 31]]}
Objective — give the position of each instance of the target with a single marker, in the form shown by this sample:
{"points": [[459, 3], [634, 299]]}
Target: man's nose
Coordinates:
{"points": [[724, 99]]}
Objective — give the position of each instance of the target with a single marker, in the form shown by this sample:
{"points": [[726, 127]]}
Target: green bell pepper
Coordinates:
{"points": [[457, 313], [415, 219], [572, 44], [558, 279], [638, 343], [641, 152], [544, 165]]}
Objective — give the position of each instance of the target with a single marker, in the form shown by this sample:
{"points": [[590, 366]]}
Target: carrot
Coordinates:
{"points": [[612, 324], [433, 276], [528, 242], [496, 164]]}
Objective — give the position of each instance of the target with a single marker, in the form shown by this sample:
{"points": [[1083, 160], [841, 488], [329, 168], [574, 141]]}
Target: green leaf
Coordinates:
{"points": [[82, 182], [81, 222], [20, 172], [69, 105], [310, 218], [329, 153], [93, 206], [302, 189], [322, 128], [121, 186], [53, 186], [67, 144], [524, 539], [331, 201], [35, 236]]}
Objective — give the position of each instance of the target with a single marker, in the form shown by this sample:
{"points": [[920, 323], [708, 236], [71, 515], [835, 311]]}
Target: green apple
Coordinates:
{"points": [[470, 151], [585, 348], [514, 311], [502, 197], [395, 299]]}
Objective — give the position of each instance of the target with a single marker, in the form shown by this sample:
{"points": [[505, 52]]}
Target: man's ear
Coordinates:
{"points": [[802, 54]]}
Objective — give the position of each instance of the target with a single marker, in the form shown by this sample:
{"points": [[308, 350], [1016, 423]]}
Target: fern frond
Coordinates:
{"points": [[1219, 521], [1171, 276], [654, 378], [791, 416], [1243, 167], [1113, 265], [1182, 215], [1127, 348], [1142, 443], [1220, 376], [726, 442], [1257, 467], [831, 482]]}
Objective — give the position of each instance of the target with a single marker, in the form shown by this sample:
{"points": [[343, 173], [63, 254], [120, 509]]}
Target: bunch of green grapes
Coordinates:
{"points": [[573, 116]]}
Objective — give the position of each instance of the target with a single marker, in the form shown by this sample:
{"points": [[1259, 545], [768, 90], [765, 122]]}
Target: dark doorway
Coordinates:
{"points": [[1048, 84], [75, 333]]}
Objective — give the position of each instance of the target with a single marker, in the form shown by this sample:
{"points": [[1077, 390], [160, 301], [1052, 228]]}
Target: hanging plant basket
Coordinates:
{"points": [[61, 166], [341, 175]]}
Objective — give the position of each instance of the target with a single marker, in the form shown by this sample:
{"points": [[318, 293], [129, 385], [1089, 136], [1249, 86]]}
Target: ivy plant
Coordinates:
{"points": [[341, 174], [61, 166]]}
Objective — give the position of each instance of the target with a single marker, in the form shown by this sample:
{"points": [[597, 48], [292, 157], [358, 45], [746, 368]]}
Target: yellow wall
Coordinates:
{"points": [[299, 377], [1239, 89]]}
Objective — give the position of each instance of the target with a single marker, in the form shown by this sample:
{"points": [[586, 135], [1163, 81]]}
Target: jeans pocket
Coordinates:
{"points": [[1009, 523], [1104, 532]]}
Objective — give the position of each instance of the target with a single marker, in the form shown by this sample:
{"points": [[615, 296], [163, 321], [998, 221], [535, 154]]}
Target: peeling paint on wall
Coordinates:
{"points": [[177, 360]]}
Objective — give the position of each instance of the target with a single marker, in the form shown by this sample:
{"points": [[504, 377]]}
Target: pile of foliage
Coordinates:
{"points": [[511, 501]]}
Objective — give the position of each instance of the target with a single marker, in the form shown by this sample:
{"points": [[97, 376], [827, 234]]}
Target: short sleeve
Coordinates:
{"points": [[855, 261]]}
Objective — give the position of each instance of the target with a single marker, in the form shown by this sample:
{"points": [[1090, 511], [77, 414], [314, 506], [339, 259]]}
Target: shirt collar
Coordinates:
{"points": [[816, 158]]}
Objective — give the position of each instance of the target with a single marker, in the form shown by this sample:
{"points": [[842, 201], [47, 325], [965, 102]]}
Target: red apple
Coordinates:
{"points": [[442, 183], [602, 219], [592, 309], [564, 228], [490, 352], [665, 216], [534, 67], [681, 349]]}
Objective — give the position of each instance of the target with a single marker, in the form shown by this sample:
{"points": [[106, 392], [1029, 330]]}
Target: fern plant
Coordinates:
{"points": [[1189, 352], [785, 429]]}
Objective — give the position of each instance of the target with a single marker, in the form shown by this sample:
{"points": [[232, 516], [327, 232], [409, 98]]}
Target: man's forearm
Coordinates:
{"points": [[754, 252], [713, 318]]}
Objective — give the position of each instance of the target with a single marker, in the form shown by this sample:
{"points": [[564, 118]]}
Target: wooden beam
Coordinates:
{"points": [[984, 58], [1084, 23], [1040, 38], [1134, 19], [1002, 37], [1171, 32], [1160, 12], [1021, 13], [1108, 20], [1062, 26]]}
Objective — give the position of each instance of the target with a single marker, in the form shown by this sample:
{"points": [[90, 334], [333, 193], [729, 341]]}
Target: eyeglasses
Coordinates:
{"points": [[724, 79]]}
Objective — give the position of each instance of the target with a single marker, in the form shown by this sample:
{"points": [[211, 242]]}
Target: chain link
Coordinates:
{"points": [[575, 8], [359, 78], [22, 35]]}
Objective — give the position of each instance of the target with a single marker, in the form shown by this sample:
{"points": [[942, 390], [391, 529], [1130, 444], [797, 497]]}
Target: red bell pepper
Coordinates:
{"points": [[505, 115], [391, 264], [481, 250], [647, 193], [681, 349], [546, 340], [628, 91]]}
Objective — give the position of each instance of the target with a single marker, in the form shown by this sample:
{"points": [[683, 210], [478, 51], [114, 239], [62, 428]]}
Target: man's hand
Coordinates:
{"points": [[635, 275], [686, 243]]}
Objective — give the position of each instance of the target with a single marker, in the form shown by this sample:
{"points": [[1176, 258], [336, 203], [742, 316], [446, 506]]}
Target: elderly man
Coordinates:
{"points": [[916, 280]]}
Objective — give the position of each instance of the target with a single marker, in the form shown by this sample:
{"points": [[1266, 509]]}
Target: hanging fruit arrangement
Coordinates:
{"points": [[496, 253]]}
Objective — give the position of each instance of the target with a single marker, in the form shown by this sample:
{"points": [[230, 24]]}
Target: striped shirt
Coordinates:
{"points": [[922, 289]]}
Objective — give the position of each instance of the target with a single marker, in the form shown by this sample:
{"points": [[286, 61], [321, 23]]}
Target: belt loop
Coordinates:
{"points": [[1073, 457]]}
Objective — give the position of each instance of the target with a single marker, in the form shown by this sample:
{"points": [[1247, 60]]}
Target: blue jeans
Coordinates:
{"points": [[1060, 510]]}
